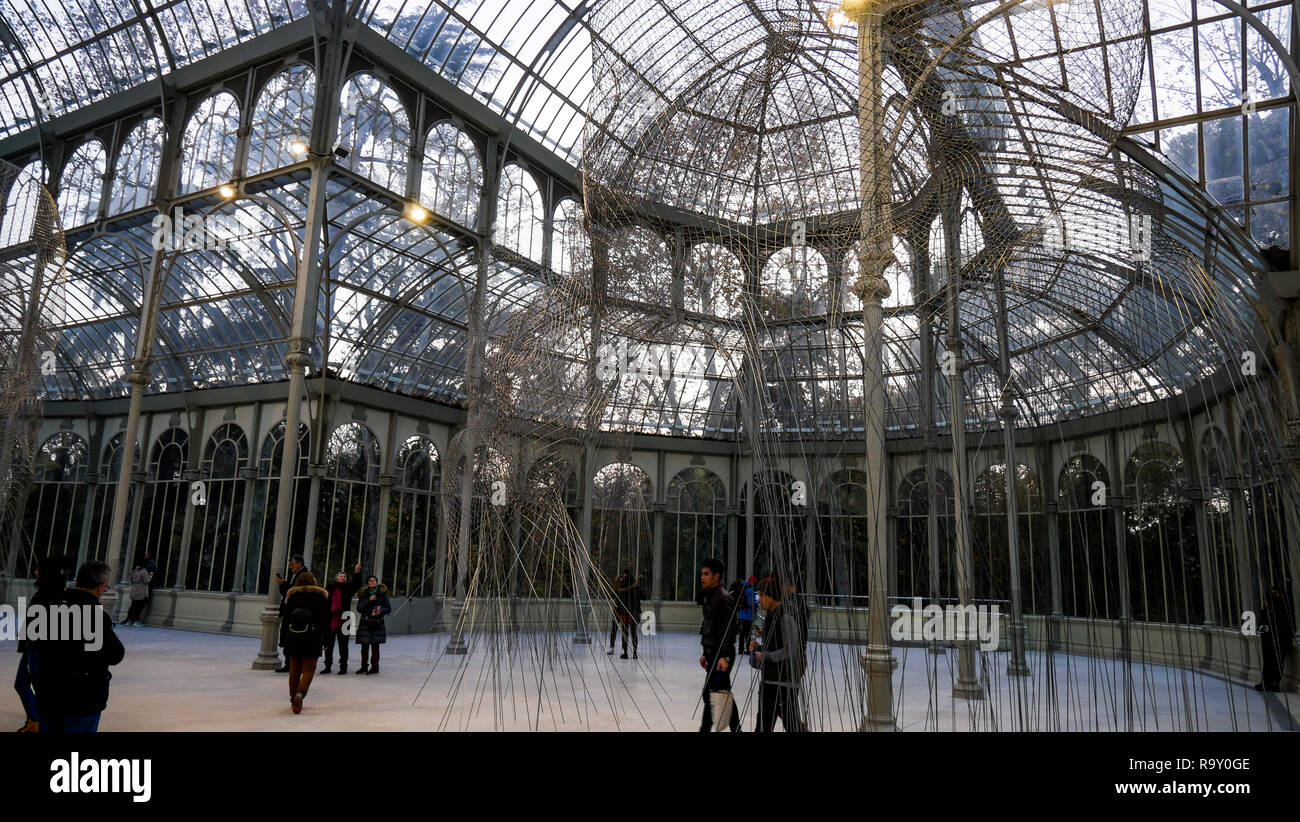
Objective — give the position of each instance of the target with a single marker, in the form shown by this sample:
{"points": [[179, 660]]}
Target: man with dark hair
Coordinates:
{"points": [[781, 659], [73, 687], [296, 568], [718, 639]]}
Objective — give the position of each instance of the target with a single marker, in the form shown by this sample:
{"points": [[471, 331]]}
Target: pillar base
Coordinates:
{"points": [[268, 658], [879, 663], [456, 644], [111, 601], [1017, 666], [967, 690], [581, 635]]}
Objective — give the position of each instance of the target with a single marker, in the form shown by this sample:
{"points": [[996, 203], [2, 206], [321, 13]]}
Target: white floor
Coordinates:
{"points": [[178, 680]]}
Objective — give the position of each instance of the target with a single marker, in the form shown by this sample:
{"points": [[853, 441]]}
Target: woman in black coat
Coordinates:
{"points": [[372, 607], [306, 625]]}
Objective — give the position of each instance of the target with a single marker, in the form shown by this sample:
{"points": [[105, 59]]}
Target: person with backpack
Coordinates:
{"points": [[781, 659], [718, 640], [372, 606], [306, 626], [745, 612]]}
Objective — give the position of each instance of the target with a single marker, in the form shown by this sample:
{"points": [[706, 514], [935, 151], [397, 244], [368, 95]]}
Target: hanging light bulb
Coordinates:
{"points": [[227, 191], [298, 147]]}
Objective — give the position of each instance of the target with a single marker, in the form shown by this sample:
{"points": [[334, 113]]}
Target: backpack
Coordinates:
{"points": [[300, 621]]}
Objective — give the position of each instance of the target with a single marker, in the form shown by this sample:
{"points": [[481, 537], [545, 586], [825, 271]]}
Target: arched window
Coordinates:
{"points": [[519, 213], [214, 539], [640, 267], [794, 284], [1089, 560], [110, 467], [209, 143], [56, 502], [281, 126], [548, 517], [409, 552], [1216, 459], [266, 490], [570, 246], [990, 556], [162, 509], [780, 509], [21, 202], [898, 275], [452, 177], [715, 282], [136, 171], [695, 529], [375, 131], [1262, 462], [347, 518], [917, 497], [1163, 556], [82, 184], [493, 501], [620, 526]]}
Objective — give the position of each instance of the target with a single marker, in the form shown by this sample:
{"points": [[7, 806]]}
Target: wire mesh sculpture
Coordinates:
{"points": [[32, 256]]}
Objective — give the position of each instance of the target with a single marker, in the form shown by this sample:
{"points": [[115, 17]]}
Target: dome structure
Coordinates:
{"points": [[933, 300]]}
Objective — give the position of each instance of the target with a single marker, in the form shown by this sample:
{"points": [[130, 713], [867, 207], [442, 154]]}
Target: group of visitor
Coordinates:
{"points": [[779, 651], [316, 620]]}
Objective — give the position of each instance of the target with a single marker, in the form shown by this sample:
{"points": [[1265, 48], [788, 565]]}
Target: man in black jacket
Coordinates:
{"points": [[718, 640], [73, 687], [296, 567], [781, 659]]}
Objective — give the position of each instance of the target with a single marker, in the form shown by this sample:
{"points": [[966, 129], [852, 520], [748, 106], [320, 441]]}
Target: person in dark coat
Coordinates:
{"points": [[627, 611], [307, 623], [50, 583], [1276, 631], [341, 591], [372, 607], [718, 641], [296, 569], [781, 658], [72, 689]]}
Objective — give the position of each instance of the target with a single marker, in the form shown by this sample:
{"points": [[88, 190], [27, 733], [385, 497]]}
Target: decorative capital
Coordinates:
{"points": [[138, 377], [870, 288]]}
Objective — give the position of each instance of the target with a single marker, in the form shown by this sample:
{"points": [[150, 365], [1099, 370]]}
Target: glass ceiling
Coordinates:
{"points": [[1088, 332]]}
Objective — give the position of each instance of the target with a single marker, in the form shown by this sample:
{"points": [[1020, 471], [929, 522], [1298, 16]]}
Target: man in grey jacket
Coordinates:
{"points": [[781, 659]]}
